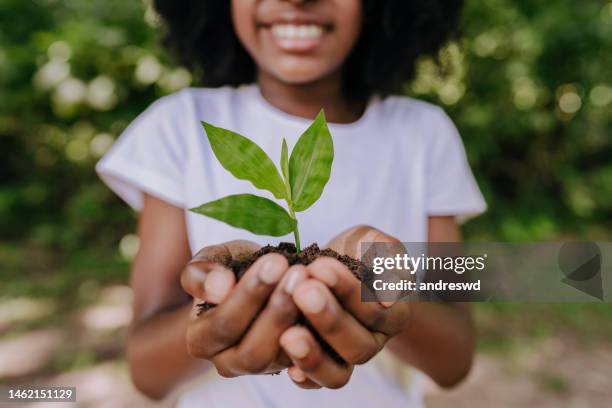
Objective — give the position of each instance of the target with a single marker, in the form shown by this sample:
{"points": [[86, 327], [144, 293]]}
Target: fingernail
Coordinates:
{"points": [[217, 286], [387, 304], [312, 301], [293, 278], [297, 374], [196, 273], [298, 348], [270, 271]]}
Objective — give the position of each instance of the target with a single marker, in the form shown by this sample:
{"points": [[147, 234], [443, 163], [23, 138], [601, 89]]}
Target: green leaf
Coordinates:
{"points": [[285, 160], [245, 160], [310, 164], [250, 212], [284, 164]]}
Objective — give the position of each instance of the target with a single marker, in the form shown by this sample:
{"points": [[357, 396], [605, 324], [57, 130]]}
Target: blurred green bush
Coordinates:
{"points": [[529, 87]]}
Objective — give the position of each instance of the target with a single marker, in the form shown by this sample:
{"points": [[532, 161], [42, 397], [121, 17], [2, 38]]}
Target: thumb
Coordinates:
{"points": [[206, 278], [209, 282], [349, 242]]}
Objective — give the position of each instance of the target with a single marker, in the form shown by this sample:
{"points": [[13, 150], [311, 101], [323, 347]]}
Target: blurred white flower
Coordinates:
{"points": [[148, 70], [570, 102], [51, 74], [525, 93], [100, 144], [83, 130], [101, 93], [568, 99], [451, 92], [485, 44], [59, 50], [151, 17], [601, 95], [112, 37], [174, 80], [449, 88], [69, 92], [76, 150], [128, 246]]}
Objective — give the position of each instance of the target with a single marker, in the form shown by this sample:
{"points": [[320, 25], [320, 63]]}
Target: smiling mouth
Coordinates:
{"points": [[297, 32], [299, 38]]}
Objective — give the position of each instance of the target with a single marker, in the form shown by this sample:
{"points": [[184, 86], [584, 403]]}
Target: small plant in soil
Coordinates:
{"points": [[300, 183]]}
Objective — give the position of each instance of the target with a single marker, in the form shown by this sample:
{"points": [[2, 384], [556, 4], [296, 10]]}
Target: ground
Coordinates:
{"points": [[63, 322]]}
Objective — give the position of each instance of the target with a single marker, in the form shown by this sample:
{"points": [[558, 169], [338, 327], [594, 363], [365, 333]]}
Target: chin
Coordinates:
{"points": [[298, 79], [298, 73]]}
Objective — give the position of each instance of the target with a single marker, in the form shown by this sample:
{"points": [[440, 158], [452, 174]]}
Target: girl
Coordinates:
{"points": [[399, 166]]}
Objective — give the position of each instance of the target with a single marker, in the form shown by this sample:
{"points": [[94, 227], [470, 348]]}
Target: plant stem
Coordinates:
{"points": [[296, 232], [296, 235]]}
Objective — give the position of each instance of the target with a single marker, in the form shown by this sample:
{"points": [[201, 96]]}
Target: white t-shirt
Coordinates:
{"points": [[401, 162]]}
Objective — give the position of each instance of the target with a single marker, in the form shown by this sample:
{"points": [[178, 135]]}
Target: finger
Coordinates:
{"points": [[192, 281], [306, 354], [224, 325], [208, 259], [299, 378], [349, 242], [259, 348], [224, 253], [347, 336], [389, 319], [347, 289], [218, 284], [240, 248], [207, 281]]}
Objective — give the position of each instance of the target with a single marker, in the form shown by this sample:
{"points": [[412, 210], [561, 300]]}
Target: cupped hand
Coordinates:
{"points": [[331, 301], [241, 334]]}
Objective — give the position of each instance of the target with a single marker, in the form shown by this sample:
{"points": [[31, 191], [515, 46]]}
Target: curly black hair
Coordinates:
{"points": [[395, 33]]}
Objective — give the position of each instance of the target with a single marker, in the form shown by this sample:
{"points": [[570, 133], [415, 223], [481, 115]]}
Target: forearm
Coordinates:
{"points": [[157, 353], [439, 341]]}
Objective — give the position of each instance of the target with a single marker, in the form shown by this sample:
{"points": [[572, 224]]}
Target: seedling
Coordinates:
{"points": [[300, 183]]}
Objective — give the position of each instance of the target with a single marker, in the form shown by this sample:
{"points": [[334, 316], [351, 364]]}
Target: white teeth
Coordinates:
{"points": [[297, 32]]}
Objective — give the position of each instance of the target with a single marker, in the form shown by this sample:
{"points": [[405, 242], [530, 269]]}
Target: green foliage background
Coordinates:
{"points": [[529, 87]]}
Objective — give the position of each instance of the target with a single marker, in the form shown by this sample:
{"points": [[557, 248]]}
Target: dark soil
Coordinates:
{"points": [[288, 250], [304, 257]]}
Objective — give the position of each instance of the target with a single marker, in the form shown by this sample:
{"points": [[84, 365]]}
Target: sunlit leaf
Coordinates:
{"points": [[310, 164], [285, 168], [250, 212], [244, 159], [285, 160]]}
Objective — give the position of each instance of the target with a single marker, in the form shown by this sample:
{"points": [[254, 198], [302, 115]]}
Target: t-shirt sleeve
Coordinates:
{"points": [[148, 157], [451, 187]]}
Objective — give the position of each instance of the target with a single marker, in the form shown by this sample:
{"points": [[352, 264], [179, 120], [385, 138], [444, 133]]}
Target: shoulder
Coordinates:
{"points": [[192, 100], [176, 117], [416, 120], [405, 108], [173, 121]]}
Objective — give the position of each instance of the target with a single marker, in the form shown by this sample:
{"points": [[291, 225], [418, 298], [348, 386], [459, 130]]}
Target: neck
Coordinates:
{"points": [[306, 100]]}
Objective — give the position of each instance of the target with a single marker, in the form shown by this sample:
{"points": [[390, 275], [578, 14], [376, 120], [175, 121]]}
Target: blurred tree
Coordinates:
{"points": [[73, 74], [529, 88]]}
